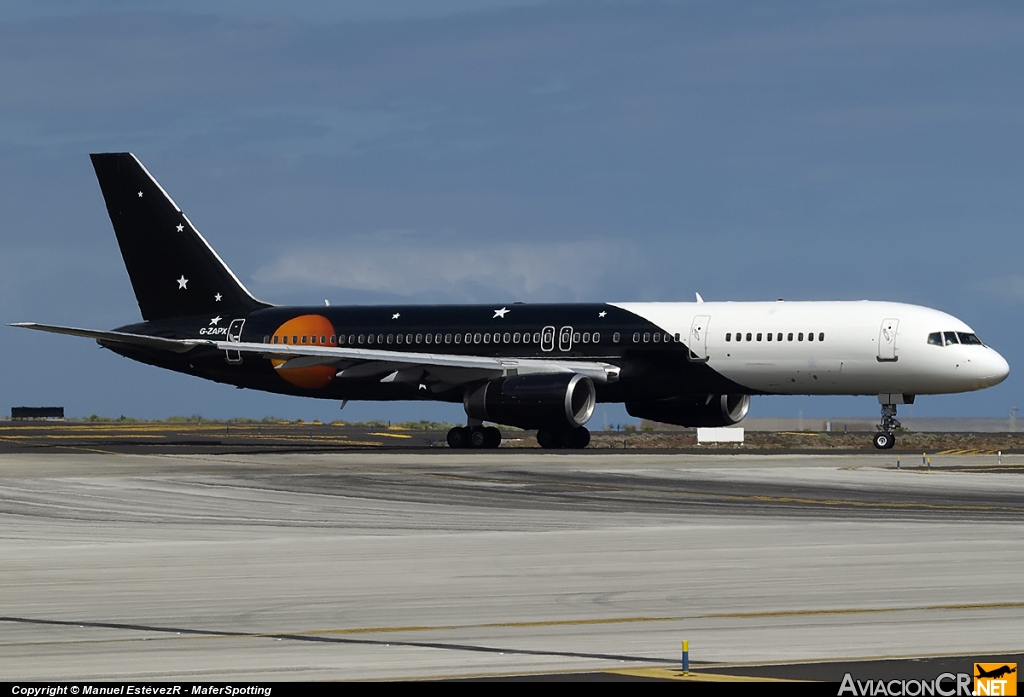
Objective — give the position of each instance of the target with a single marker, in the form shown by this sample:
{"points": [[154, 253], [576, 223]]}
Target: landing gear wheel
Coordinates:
{"points": [[492, 437], [884, 440], [580, 438], [477, 438], [548, 439], [458, 437]]}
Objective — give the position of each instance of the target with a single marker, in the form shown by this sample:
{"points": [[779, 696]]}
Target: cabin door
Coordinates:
{"points": [[234, 336], [887, 340], [698, 341]]}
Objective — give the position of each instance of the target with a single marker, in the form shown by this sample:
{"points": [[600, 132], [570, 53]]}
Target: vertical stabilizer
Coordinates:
{"points": [[174, 271]]}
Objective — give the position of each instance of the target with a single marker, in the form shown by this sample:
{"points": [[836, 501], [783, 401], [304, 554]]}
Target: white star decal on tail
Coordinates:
{"points": [[396, 315], [140, 194], [500, 313], [602, 313], [180, 227], [182, 283], [215, 320], [217, 297]]}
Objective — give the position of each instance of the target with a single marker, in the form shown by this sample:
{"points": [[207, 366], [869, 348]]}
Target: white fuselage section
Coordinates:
{"points": [[858, 348]]}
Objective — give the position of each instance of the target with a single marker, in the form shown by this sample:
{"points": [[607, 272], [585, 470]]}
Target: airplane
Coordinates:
{"points": [[532, 366], [996, 672]]}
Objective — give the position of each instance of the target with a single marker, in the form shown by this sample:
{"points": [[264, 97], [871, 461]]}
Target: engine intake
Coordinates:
{"points": [[547, 400], [694, 410]]}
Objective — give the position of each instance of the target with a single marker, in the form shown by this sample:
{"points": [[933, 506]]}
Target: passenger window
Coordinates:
{"points": [[469, 338], [647, 337], [341, 339], [323, 339], [303, 339], [361, 337], [275, 338], [821, 336], [487, 338], [380, 338], [779, 337], [476, 338], [536, 337], [391, 338], [447, 338], [951, 338], [400, 339], [352, 338], [636, 337], [748, 336], [657, 337], [334, 339], [458, 338], [616, 337], [427, 338], [596, 338], [759, 336], [769, 336], [739, 336], [507, 338], [419, 338], [437, 338], [369, 338], [789, 337], [677, 337], [810, 337], [515, 338], [576, 337], [800, 336], [728, 336]]}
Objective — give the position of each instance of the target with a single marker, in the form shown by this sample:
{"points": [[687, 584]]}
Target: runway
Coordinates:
{"points": [[385, 565]]}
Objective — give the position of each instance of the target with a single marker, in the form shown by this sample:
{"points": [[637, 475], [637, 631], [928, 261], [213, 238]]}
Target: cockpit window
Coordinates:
{"points": [[950, 338]]}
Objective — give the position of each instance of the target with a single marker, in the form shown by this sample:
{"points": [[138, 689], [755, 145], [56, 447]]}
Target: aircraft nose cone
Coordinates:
{"points": [[992, 369]]}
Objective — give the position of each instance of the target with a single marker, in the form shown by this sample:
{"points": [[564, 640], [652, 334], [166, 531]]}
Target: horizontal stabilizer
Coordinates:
{"points": [[155, 342]]}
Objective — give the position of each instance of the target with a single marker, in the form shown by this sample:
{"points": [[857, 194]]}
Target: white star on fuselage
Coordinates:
{"points": [[140, 194], [396, 315], [217, 297], [602, 313], [500, 313], [215, 320], [182, 283], [180, 227]]}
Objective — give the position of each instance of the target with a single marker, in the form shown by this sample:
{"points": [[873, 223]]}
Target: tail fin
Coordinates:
{"points": [[174, 271]]}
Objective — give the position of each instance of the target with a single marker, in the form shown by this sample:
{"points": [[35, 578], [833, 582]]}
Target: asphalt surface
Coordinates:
{"points": [[396, 564]]}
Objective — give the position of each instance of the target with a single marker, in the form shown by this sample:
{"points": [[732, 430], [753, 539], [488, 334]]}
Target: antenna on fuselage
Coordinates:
{"points": [[699, 299]]}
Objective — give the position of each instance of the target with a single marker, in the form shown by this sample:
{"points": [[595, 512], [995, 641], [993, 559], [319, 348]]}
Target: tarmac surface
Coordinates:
{"points": [[437, 564]]}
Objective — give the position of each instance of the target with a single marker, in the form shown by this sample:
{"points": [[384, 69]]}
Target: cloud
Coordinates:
{"points": [[401, 264], [1008, 288]]}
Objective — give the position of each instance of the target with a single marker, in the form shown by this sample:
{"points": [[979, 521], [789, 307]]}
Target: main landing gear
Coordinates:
{"points": [[474, 437], [885, 439], [568, 439]]}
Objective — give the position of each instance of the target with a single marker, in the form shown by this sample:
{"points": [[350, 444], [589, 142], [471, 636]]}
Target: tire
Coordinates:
{"points": [[547, 439], [884, 440], [580, 438], [477, 438], [492, 437], [458, 438]]}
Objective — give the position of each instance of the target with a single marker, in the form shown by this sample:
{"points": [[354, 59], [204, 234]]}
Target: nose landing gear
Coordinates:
{"points": [[884, 439]]}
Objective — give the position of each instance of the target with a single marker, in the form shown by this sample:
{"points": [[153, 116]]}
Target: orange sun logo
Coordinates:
{"points": [[308, 330]]}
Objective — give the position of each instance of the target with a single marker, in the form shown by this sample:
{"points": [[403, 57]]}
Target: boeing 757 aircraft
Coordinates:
{"points": [[533, 366]]}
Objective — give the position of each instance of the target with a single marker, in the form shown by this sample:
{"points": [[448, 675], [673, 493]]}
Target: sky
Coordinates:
{"points": [[496, 151]]}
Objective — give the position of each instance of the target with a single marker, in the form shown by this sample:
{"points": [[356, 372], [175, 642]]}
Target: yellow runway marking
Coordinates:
{"points": [[681, 618], [390, 435], [671, 674]]}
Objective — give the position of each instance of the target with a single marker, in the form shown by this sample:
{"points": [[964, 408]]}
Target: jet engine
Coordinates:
{"points": [[694, 410], [545, 400]]}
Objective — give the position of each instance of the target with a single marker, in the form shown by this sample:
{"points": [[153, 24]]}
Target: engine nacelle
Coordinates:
{"points": [[694, 410], [545, 400]]}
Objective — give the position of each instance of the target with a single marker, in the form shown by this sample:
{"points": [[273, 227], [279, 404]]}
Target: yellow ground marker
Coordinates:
{"points": [[675, 674]]}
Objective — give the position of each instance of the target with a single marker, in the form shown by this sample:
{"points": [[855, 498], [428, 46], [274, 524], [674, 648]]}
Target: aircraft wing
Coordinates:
{"points": [[399, 365], [395, 366]]}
